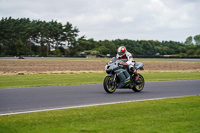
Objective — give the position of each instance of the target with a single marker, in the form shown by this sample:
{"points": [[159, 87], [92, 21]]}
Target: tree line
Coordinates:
{"points": [[35, 37]]}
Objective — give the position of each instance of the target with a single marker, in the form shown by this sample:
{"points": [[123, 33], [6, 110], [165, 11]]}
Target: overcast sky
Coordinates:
{"points": [[115, 19]]}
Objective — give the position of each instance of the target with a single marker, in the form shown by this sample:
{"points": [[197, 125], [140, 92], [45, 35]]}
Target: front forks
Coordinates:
{"points": [[113, 77]]}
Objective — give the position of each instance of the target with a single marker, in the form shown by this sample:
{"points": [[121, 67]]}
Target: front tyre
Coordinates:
{"points": [[109, 85], [140, 84]]}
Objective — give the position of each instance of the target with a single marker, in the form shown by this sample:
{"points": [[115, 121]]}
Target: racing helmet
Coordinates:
{"points": [[121, 51]]}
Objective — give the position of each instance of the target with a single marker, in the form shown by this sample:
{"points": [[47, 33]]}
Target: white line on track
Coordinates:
{"points": [[33, 111]]}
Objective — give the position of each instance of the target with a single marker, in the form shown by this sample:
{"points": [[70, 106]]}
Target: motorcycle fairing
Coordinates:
{"points": [[124, 77]]}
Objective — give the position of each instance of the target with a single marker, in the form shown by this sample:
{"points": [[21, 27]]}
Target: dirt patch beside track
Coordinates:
{"points": [[13, 67]]}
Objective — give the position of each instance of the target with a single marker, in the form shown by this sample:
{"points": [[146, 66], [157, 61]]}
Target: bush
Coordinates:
{"points": [[57, 52], [190, 52], [197, 52]]}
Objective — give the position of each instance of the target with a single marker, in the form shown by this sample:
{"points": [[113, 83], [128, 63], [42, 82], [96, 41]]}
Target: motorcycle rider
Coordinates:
{"points": [[127, 58]]}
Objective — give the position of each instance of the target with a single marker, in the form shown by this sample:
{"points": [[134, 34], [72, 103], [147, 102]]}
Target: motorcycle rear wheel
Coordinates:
{"points": [[139, 87], [109, 85]]}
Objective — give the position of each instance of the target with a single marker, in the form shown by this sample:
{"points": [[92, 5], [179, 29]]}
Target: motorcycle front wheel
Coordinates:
{"points": [[109, 85], [139, 86]]}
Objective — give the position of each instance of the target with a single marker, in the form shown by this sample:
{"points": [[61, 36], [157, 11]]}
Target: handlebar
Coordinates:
{"points": [[122, 65]]}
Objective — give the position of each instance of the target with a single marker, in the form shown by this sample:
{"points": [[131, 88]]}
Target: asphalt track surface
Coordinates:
{"points": [[34, 99]]}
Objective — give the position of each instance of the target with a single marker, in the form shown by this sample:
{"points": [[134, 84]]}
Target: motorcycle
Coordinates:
{"points": [[119, 77]]}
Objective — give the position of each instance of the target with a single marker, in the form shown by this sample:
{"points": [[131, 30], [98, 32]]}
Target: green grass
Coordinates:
{"points": [[173, 115], [12, 81], [65, 59]]}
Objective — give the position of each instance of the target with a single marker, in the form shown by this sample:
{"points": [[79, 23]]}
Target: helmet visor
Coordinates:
{"points": [[121, 53]]}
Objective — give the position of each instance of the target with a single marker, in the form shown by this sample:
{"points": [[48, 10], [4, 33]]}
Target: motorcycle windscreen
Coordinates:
{"points": [[139, 65]]}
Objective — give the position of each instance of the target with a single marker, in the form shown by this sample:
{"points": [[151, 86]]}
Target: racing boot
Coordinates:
{"points": [[137, 78]]}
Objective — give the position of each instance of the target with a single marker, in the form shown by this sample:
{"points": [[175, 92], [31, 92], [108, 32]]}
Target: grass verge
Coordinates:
{"points": [[179, 115], [13, 81]]}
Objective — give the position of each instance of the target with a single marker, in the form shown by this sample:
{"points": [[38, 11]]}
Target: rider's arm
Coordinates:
{"points": [[130, 59], [117, 56]]}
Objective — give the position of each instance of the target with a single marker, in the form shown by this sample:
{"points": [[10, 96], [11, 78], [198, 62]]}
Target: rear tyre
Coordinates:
{"points": [[140, 84], [109, 85]]}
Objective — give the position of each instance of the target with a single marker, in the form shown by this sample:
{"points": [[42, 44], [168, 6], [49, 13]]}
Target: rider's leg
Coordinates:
{"points": [[134, 71]]}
